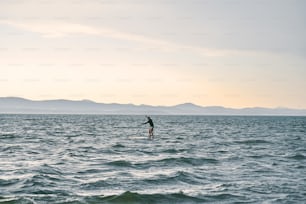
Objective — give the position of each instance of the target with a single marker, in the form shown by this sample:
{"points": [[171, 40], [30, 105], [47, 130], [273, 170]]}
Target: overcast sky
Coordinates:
{"points": [[234, 53]]}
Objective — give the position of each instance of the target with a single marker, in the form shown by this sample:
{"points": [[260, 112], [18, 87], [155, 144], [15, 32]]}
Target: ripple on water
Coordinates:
{"points": [[189, 161], [181, 177], [120, 163], [252, 141], [297, 157]]}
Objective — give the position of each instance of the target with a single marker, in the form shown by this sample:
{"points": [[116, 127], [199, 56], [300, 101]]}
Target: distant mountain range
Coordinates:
{"points": [[15, 105]]}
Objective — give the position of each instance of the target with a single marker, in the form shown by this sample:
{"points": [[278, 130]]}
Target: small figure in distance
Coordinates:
{"points": [[151, 136]]}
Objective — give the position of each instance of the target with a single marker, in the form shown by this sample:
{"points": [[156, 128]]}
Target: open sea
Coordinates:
{"points": [[192, 159]]}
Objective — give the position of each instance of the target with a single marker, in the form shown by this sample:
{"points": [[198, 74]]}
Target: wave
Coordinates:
{"points": [[8, 135], [178, 177], [120, 163], [126, 198], [179, 161], [95, 185], [16, 201], [6, 183], [174, 151], [136, 198], [298, 157], [217, 198], [118, 145], [188, 161], [251, 141], [11, 149], [49, 170]]}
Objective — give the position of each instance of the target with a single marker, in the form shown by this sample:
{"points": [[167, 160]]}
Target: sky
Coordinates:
{"points": [[232, 53]]}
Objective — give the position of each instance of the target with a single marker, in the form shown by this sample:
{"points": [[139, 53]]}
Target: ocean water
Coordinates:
{"points": [[192, 159]]}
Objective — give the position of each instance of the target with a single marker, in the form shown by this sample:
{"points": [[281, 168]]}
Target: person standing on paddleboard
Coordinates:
{"points": [[150, 121]]}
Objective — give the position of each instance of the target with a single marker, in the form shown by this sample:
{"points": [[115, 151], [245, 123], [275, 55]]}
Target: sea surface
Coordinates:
{"points": [[192, 159]]}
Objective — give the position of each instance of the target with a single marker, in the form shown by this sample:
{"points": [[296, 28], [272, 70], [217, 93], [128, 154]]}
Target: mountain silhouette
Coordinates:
{"points": [[16, 105]]}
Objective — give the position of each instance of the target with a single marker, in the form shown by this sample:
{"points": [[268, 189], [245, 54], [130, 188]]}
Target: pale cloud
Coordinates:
{"points": [[59, 29], [52, 28]]}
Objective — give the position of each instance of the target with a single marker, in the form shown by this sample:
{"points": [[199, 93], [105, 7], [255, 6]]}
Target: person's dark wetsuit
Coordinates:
{"points": [[150, 122]]}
